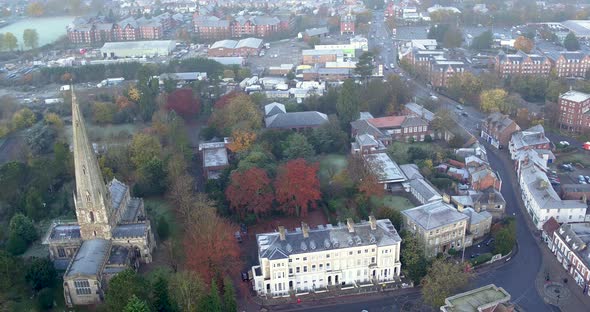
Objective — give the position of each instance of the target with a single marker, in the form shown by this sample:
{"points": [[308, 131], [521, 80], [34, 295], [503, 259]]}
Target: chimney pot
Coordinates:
{"points": [[305, 229], [282, 232], [373, 222], [350, 225]]}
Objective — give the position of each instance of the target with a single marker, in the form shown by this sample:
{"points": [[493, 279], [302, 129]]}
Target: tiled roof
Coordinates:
{"points": [[387, 122]]}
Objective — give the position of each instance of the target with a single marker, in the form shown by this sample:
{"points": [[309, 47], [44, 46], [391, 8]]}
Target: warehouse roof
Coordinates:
{"points": [[253, 43], [224, 44], [150, 44]]}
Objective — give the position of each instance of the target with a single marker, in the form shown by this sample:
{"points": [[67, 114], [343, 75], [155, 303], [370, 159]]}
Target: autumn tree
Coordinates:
{"points": [[23, 118], [494, 100], [35, 9], [103, 112], [184, 103], [241, 140], [143, 148], [297, 187], [10, 41], [53, 119], [465, 88], [134, 94], [186, 289], [225, 99], [443, 279], [31, 38], [239, 113], [524, 44], [209, 241], [364, 177], [250, 191]]}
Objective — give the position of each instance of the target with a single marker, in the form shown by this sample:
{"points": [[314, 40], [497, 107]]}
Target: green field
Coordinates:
{"points": [[396, 202]]}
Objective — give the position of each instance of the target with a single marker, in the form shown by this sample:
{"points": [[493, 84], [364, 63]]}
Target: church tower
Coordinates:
{"points": [[92, 200]]}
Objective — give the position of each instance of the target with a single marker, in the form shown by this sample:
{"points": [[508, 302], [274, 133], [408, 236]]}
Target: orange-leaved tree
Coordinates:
{"points": [[209, 243], [250, 191], [241, 140], [297, 187]]}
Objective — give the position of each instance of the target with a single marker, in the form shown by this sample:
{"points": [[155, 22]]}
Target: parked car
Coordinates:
{"points": [[564, 143], [459, 107], [587, 178], [238, 236]]}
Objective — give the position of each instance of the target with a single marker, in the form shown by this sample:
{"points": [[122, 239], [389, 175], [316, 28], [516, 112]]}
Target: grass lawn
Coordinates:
{"points": [[396, 202], [331, 165]]}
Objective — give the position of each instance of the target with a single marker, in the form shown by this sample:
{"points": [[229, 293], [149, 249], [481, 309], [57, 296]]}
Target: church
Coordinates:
{"points": [[111, 234]]}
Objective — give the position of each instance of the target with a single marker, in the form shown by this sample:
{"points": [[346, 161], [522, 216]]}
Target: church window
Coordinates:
{"points": [[91, 217], [87, 196], [61, 252], [82, 287]]}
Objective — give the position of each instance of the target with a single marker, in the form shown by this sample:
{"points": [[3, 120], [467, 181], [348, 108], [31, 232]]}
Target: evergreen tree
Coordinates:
{"points": [[347, 106], [229, 296], [364, 66], [136, 305], [212, 303], [161, 297], [571, 42]]}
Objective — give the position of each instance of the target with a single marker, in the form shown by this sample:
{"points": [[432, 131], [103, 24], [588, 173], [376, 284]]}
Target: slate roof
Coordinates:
{"points": [[326, 237], [541, 191], [411, 171], [89, 258], [498, 121], [363, 126], [476, 217], [130, 230], [317, 31], [412, 121], [274, 108], [434, 215], [425, 189], [296, 120], [384, 167], [532, 136], [577, 237], [118, 190], [64, 232], [132, 212], [420, 111]]}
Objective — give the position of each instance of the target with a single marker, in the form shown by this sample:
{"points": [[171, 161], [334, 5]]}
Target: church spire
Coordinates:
{"points": [[93, 208]]}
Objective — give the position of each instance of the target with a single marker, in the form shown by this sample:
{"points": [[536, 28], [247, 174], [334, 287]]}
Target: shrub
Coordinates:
{"points": [[45, 299], [483, 258]]}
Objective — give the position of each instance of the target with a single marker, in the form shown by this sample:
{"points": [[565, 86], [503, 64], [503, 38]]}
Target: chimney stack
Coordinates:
{"points": [[282, 232], [305, 229], [373, 222], [350, 225]]}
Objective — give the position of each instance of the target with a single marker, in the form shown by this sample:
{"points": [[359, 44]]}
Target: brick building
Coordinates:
{"points": [[310, 57], [442, 70], [521, 63], [211, 27], [572, 64], [574, 109], [497, 129], [83, 31], [347, 24]]}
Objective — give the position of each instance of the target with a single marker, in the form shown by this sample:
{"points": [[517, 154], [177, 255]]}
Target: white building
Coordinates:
{"points": [[570, 246], [541, 200], [138, 48], [307, 259]]}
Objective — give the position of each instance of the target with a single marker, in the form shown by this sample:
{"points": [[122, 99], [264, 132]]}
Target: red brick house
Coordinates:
{"points": [[483, 177], [497, 129], [521, 63], [572, 64], [574, 109], [442, 70], [347, 24]]}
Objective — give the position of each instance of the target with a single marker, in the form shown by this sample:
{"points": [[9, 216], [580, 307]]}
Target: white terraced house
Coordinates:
{"points": [[307, 259]]}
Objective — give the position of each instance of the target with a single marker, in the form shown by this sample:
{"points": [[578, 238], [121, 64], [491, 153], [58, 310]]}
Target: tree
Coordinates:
{"points": [[465, 88], [45, 299], [239, 113], [183, 103], [483, 41], [329, 137], [34, 204], [493, 100], [161, 297], [23, 227], [212, 301], [229, 296], [297, 146], [163, 228], [524, 44], [133, 94], [250, 191], [9, 271], [123, 286], [186, 288], [414, 263], [209, 241], [571, 42], [136, 305], [10, 41], [152, 178], [453, 38], [31, 38], [103, 112], [347, 106], [144, 148], [35, 9], [443, 279], [40, 138], [505, 238], [40, 274], [241, 140], [297, 187], [23, 118], [364, 66], [54, 120]]}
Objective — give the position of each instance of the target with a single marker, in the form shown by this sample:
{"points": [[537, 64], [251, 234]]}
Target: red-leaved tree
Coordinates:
{"points": [[297, 187], [250, 191], [183, 103]]}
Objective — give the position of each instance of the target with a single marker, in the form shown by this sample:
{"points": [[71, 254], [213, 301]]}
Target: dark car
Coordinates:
{"points": [[243, 228], [464, 114], [245, 277], [238, 236]]}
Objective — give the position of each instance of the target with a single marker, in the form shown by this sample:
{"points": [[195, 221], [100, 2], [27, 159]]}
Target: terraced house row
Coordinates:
{"points": [[565, 64]]}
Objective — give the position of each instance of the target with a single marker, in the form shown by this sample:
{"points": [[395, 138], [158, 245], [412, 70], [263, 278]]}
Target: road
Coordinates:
{"points": [[519, 275]]}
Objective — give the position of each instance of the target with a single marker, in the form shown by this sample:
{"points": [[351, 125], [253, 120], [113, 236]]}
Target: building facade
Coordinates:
{"points": [[438, 225], [572, 65], [570, 246], [111, 234], [574, 112], [347, 24], [311, 259], [521, 63], [497, 129]]}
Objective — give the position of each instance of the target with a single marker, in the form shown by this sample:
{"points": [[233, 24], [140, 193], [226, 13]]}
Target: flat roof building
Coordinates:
{"points": [[483, 299], [138, 48]]}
